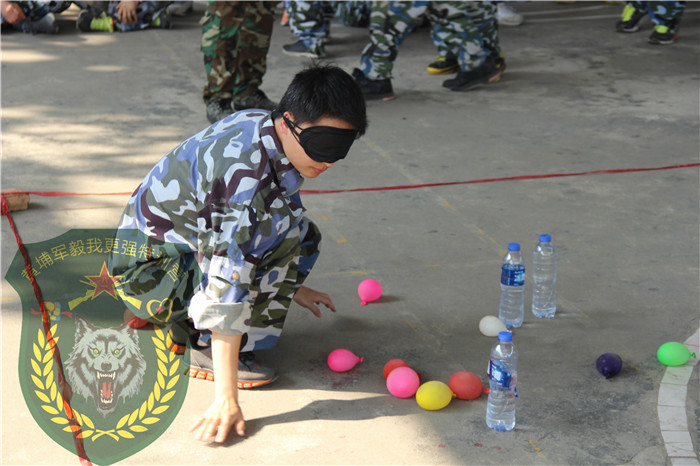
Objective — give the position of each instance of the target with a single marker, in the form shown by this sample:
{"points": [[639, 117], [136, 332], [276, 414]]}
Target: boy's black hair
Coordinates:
{"points": [[324, 91]]}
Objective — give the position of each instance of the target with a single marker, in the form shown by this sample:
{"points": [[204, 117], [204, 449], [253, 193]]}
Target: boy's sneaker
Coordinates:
{"points": [[256, 99], [300, 49], [663, 35], [218, 109], [630, 19], [89, 21], [488, 73], [251, 374], [373, 89], [507, 16], [443, 65]]}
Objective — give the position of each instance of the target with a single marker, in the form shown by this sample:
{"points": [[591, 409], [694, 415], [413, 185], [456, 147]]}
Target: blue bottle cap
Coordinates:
{"points": [[505, 336], [545, 238], [514, 246]]}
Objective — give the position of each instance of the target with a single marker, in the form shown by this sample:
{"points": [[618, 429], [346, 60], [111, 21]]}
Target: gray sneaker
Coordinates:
{"points": [[251, 374], [256, 99], [218, 109]]}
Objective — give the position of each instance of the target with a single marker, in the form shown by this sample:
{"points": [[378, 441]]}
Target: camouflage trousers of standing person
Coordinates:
{"points": [[310, 21], [146, 13], [465, 30], [667, 14], [484, 40], [235, 41], [158, 286]]}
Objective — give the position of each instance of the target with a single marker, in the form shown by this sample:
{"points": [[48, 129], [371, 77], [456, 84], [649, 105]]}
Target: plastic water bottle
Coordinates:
{"points": [[544, 275], [512, 307], [503, 376]]}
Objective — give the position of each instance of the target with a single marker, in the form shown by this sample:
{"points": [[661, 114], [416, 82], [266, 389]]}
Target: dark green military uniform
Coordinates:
{"points": [[235, 41]]}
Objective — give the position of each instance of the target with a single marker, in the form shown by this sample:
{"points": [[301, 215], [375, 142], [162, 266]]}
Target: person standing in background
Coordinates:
{"points": [[235, 42]]}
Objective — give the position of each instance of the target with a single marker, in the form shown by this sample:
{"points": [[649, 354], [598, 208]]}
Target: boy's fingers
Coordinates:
{"points": [[222, 433]]}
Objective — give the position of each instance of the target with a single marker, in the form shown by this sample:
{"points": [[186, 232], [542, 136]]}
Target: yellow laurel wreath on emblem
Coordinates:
{"points": [[135, 422]]}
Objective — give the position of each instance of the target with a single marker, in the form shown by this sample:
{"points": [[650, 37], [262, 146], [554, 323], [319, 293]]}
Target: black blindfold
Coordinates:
{"points": [[325, 144]]}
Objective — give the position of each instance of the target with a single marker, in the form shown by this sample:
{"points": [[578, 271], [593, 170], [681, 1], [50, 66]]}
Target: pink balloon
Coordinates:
{"points": [[342, 360], [403, 382], [369, 290]]}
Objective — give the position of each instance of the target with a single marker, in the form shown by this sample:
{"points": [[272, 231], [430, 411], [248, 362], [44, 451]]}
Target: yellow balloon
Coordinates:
{"points": [[433, 395]]}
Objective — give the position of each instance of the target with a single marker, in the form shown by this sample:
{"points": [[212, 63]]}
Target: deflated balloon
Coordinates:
{"points": [[609, 364]]}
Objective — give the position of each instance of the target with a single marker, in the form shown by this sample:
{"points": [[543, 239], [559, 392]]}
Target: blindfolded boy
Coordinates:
{"points": [[214, 242]]}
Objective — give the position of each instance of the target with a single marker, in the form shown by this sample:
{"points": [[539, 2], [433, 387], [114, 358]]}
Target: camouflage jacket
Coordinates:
{"points": [[228, 195]]}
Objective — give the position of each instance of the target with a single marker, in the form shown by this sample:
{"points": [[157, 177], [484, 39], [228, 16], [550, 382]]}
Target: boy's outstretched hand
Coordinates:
{"points": [[217, 422], [309, 298], [225, 412]]}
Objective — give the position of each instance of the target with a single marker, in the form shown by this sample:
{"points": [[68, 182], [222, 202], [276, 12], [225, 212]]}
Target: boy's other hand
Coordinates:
{"points": [[216, 423], [126, 12], [309, 298], [12, 12]]}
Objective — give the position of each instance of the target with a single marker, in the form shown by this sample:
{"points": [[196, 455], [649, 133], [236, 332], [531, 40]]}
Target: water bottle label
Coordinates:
{"points": [[513, 274], [498, 375]]}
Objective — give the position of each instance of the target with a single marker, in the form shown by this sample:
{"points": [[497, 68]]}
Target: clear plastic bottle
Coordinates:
{"points": [[512, 307], [503, 377], [544, 276]]}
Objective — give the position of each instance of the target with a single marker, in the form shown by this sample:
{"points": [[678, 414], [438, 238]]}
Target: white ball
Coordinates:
{"points": [[491, 326]]}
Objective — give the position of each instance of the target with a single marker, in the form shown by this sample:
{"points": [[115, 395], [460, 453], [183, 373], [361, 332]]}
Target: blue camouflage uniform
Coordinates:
{"points": [[467, 31], [217, 231], [667, 13], [309, 21]]}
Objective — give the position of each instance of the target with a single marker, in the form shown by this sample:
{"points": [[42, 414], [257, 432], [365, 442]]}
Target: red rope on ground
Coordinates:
{"points": [[66, 390], [412, 186], [492, 180]]}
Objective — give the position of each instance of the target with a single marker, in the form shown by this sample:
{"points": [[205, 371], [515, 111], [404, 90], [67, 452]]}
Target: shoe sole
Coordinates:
{"points": [[494, 78], [303, 54], [202, 374], [439, 71]]}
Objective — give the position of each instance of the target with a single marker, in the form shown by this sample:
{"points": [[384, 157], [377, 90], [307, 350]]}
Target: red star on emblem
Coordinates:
{"points": [[104, 282]]}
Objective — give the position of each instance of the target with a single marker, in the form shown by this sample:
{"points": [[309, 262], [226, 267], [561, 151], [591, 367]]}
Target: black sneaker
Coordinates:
{"points": [[251, 374], [256, 99], [443, 65], [663, 35], [490, 72], [630, 19], [217, 109], [373, 89], [300, 49]]}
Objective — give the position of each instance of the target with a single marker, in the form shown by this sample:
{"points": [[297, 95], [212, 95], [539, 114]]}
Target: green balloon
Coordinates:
{"points": [[673, 354]]}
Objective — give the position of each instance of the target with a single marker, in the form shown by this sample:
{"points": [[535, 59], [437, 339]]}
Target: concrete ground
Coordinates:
{"points": [[94, 112]]}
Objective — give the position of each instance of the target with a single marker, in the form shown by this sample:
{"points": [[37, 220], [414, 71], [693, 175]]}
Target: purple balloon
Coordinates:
{"points": [[609, 364]]}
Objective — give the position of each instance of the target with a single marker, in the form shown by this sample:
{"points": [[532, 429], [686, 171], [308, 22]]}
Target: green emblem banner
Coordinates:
{"points": [[94, 380]]}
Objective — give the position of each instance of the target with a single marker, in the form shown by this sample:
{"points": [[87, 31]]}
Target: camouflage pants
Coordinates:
{"points": [[159, 290], [667, 14], [146, 13], [464, 30], [310, 21], [235, 41]]}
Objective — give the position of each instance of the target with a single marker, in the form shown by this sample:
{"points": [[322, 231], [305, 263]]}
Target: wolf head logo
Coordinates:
{"points": [[105, 364]]}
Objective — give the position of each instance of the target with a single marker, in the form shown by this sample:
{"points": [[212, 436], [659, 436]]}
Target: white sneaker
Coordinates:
{"points": [[507, 16]]}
